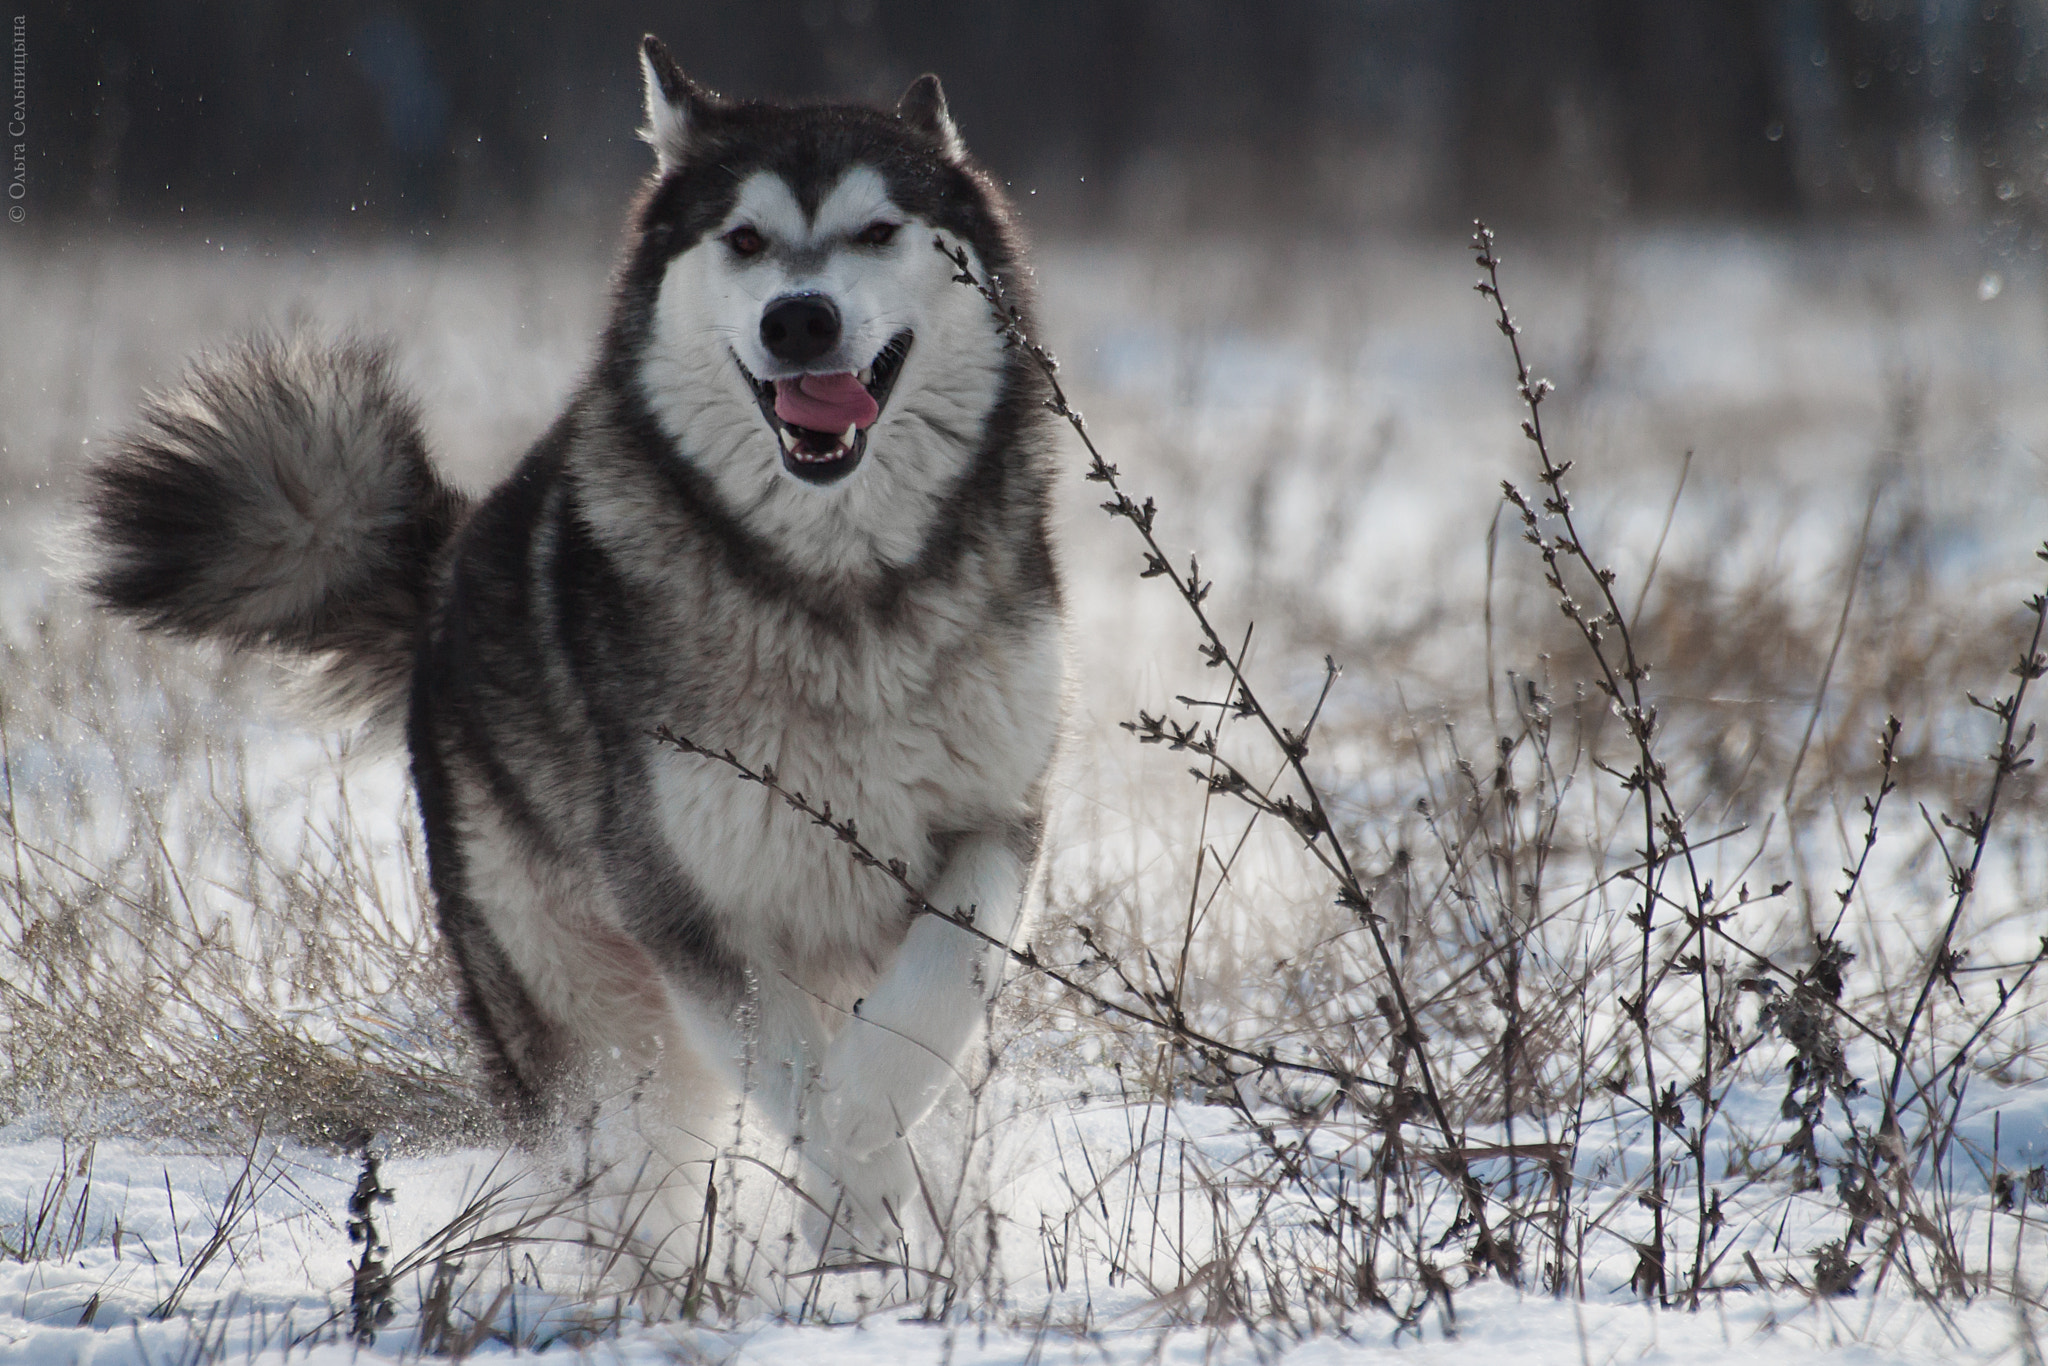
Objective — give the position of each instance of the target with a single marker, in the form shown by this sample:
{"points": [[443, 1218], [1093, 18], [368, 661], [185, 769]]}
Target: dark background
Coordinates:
{"points": [[1118, 114]]}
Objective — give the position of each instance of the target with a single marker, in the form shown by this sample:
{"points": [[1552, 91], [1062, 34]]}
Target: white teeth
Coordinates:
{"points": [[866, 375], [787, 440]]}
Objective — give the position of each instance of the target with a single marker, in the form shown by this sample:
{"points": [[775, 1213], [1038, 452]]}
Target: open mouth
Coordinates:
{"points": [[820, 455]]}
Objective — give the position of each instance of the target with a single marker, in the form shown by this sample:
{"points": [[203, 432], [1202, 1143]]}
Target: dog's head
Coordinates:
{"points": [[792, 327]]}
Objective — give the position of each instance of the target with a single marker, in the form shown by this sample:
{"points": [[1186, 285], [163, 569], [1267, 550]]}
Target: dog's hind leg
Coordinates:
{"points": [[527, 1056], [593, 1047]]}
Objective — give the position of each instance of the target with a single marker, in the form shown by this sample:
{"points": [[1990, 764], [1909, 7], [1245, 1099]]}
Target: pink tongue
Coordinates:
{"points": [[825, 403]]}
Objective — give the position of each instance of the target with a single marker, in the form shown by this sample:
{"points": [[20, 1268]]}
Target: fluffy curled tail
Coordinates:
{"points": [[279, 496]]}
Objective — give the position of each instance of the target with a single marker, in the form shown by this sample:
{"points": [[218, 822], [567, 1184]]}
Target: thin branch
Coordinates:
{"points": [[848, 834]]}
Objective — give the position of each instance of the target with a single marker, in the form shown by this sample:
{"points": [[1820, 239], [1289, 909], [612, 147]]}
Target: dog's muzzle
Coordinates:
{"points": [[816, 455]]}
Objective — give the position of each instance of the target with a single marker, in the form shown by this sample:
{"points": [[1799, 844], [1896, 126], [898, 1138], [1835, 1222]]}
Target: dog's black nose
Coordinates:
{"points": [[799, 328]]}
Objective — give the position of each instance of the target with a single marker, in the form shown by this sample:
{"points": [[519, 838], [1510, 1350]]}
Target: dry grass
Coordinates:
{"points": [[1337, 1062], [205, 932]]}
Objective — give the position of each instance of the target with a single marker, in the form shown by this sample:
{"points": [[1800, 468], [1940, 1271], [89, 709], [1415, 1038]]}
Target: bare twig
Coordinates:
{"points": [[1307, 813], [848, 834]]}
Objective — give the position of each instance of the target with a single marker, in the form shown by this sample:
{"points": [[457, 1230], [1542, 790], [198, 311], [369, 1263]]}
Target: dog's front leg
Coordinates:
{"points": [[902, 1044]]}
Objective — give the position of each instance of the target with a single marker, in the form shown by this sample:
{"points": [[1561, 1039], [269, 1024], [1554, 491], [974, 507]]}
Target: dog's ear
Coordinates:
{"points": [[923, 107], [675, 104]]}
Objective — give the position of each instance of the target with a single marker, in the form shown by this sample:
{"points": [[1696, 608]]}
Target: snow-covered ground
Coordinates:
{"points": [[1328, 427], [251, 1256]]}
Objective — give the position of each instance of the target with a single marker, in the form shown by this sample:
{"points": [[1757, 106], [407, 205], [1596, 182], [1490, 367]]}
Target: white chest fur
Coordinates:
{"points": [[909, 736]]}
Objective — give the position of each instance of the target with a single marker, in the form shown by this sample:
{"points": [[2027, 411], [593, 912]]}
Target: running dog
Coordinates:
{"points": [[796, 509]]}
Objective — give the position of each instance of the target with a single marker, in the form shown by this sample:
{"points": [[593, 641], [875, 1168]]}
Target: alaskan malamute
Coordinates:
{"points": [[797, 509]]}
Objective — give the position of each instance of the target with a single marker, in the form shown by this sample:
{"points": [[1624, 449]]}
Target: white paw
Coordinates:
{"points": [[864, 1206], [873, 1087]]}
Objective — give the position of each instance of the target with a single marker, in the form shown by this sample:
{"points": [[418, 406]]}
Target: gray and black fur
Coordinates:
{"points": [[602, 895], [280, 497]]}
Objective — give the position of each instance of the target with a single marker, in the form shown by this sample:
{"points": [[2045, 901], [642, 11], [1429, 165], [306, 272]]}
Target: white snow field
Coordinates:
{"points": [[1815, 465]]}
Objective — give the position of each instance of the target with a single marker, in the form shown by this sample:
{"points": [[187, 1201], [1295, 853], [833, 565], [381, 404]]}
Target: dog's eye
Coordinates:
{"points": [[745, 242], [876, 234]]}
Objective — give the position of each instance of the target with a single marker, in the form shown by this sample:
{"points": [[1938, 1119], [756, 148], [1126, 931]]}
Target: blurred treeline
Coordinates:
{"points": [[1119, 114]]}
